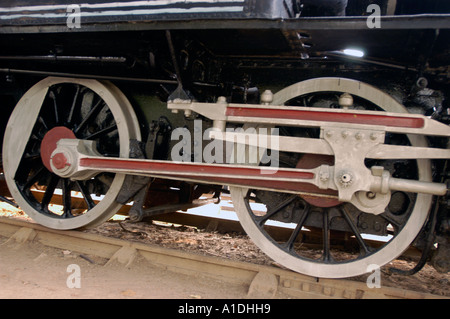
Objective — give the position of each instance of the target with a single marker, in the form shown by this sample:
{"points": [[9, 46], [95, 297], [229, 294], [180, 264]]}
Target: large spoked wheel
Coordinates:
{"points": [[316, 223], [58, 108]]}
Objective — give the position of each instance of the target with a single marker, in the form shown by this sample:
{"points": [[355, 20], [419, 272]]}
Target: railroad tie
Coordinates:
{"points": [[124, 256], [20, 237]]}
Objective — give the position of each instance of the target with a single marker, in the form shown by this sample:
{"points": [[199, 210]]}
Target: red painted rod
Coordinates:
{"points": [[220, 174], [324, 116]]}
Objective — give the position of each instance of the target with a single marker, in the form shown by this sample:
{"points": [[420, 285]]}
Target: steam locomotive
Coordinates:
{"points": [[330, 117]]}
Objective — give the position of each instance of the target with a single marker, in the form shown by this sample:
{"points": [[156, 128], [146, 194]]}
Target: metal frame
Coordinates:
{"points": [[406, 22]]}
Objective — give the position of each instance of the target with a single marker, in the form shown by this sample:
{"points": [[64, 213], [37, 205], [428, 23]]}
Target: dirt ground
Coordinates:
{"points": [[35, 271], [45, 269]]}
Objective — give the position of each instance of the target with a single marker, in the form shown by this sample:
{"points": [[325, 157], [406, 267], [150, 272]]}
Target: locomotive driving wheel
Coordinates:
{"points": [[370, 239], [56, 108]]}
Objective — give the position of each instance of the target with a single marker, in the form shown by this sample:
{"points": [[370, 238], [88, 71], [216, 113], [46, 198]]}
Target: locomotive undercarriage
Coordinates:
{"points": [[335, 178]]}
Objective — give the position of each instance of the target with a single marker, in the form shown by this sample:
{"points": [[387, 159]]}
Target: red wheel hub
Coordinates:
{"points": [[48, 145], [309, 161]]}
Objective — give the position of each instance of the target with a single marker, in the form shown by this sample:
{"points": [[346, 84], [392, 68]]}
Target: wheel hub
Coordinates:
{"points": [[308, 161], [49, 143]]}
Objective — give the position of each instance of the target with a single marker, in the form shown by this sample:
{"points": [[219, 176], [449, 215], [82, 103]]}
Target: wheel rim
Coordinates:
{"points": [[324, 266], [88, 109]]}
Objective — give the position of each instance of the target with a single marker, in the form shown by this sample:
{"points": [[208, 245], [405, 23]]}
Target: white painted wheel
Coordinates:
{"points": [[86, 109], [284, 253]]}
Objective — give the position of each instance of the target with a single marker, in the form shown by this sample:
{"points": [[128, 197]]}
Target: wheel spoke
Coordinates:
{"points": [[51, 94], [43, 123], [326, 257], [85, 192], [34, 178], [364, 249], [74, 103], [289, 245], [30, 157], [36, 138], [261, 220], [67, 199], [90, 116], [102, 132], [54, 179]]}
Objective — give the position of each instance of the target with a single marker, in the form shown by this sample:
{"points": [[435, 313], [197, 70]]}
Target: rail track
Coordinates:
{"points": [[263, 281]]}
